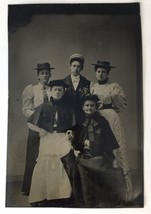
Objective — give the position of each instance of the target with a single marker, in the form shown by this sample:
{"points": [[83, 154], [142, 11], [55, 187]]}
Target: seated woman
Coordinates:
{"points": [[101, 184], [53, 174]]}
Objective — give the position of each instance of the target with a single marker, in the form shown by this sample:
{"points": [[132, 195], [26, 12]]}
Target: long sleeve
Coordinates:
{"points": [[34, 127], [109, 141], [119, 101], [27, 101]]}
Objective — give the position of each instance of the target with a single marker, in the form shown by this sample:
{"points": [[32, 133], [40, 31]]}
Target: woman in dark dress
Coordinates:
{"points": [[53, 176], [101, 184]]}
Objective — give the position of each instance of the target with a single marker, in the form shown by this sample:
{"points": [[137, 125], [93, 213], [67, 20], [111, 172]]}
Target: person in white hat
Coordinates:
{"points": [[78, 85]]}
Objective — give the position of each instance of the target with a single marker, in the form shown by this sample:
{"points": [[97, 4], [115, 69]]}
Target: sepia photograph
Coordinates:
{"points": [[75, 106]]}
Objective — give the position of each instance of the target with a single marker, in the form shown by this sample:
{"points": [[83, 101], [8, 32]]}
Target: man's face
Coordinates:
{"points": [[75, 68], [44, 76], [57, 92], [89, 107]]}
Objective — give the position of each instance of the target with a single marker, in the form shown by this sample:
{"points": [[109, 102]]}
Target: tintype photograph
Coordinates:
{"points": [[75, 111]]}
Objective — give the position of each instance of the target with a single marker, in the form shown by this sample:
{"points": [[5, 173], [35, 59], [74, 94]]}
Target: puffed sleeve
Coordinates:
{"points": [[119, 100], [92, 88], [33, 120], [27, 101]]}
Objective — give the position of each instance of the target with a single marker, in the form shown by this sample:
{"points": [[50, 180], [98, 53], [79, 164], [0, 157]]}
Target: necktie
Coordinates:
{"points": [[55, 121], [89, 123], [45, 96]]}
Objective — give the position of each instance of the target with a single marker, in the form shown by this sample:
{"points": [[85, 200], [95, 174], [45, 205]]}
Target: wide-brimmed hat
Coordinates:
{"points": [[76, 57], [41, 66], [58, 83], [103, 64]]}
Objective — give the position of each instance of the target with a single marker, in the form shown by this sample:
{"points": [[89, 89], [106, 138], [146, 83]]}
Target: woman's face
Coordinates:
{"points": [[44, 76], [89, 107], [101, 74], [75, 68], [57, 92]]}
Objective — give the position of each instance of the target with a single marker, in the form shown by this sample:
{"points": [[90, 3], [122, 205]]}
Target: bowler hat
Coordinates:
{"points": [[58, 83], [41, 66], [78, 57], [103, 64]]}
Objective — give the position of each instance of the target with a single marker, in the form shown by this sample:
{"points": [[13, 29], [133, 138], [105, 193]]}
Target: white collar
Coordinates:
{"points": [[75, 77]]}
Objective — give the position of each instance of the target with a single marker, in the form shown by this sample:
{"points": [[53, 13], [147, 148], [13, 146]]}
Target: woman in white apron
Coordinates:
{"points": [[53, 174]]}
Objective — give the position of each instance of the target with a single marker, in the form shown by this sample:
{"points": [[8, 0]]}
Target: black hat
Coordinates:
{"points": [[103, 64], [76, 57], [41, 66], [90, 97], [58, 83]]}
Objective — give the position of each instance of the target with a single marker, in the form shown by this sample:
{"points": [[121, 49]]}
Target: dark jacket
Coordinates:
{"points": [[75, 95], [44, 116], [83, 86], [103, 141]]}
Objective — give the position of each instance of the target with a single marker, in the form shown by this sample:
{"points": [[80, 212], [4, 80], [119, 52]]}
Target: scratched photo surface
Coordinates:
{"points": [[50, 35]]}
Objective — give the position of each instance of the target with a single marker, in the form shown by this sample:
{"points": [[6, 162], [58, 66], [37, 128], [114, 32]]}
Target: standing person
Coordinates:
{"points": [[32, 97], [101, 184], [53, 174], [112, 101], [78, 85]]}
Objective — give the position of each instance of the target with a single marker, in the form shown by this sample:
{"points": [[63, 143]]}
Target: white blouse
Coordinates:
{"points": [[110, 93], [32, 97]]}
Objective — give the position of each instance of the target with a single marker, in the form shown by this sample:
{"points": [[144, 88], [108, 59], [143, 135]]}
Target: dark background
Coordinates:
{"points": [[40, 33]]}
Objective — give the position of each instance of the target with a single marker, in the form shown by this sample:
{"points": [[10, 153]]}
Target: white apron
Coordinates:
{"points": [[50, 180]]}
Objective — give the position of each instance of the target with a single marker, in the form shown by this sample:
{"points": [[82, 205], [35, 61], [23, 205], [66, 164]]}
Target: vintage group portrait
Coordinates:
{"points": [[75, 111]]}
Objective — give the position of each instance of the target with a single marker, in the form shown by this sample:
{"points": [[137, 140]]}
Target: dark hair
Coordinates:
{"points": [[59, 82], [79, 60], [93, 98], [107, 69], [44, 69]]}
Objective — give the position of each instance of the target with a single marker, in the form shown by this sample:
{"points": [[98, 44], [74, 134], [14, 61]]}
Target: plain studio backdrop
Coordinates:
{"points": [[53, 38]]}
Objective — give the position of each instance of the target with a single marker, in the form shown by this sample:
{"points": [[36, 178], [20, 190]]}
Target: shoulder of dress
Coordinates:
{"points": [[28, 89], [98, 117], [28, 86], [93, 87], [28, 92], [113, 84], [102, 121], [37, 86], [93, 84]]}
